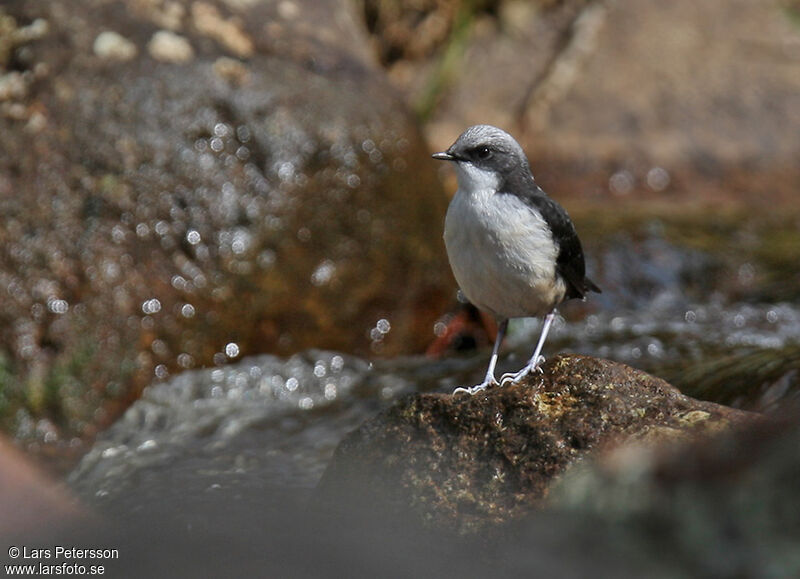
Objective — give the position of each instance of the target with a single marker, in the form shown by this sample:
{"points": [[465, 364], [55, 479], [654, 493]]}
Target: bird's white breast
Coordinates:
{"points": [[501, 250]]}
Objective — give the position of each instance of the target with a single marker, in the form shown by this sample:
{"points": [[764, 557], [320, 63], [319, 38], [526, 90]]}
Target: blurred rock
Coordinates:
{"points": [[29, 501], [465, 462], [703, 90], [243, 180], [726, 507], [211, 459], [680, 83]]}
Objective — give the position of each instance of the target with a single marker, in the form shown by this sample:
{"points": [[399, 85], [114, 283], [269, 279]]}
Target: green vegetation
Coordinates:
{"points": [[449, 64], [752, 379], [791, 8], [68, 393]]}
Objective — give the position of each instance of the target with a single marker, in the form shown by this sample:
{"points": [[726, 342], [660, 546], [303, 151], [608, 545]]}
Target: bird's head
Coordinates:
{"points": [[484, 157]]}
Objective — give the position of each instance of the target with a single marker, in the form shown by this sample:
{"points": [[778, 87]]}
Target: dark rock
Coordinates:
{"points": [[467, 461], [189, 182], [725, 507]]}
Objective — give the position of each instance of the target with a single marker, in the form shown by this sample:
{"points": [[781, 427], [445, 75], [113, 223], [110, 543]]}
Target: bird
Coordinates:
{"points": [[513, 250]]}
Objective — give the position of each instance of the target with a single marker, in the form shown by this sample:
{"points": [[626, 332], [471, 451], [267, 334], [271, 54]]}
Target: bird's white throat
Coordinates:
{"points": [[474, 181], [502, 252]]}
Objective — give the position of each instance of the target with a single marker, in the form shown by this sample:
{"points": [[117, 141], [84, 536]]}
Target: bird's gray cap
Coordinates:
{"points": [[471, 145]]}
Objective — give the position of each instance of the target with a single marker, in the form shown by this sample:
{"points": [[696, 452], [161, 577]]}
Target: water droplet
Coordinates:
{"points": [[266, 259], [654, 349], [306, 403], [111, 270], [193, 237], [222, 130], [658, 179], [292, 384], [187, 310], [353, 181], [285, 171], [159, 348], [241, 241], [185, 360], [323, 273], [243, 153], [118, 234], [621, 182], [57, 306], [151, 306], [162, 228], [243, 133], [232, 350], [330, 391]]}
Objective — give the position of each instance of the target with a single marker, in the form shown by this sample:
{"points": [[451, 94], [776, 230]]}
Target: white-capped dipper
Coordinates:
{"points": [[513, 250]]}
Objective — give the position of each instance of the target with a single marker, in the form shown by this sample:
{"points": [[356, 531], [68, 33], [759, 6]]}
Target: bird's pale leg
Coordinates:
{"points": [[533, 363], [489, 380]]}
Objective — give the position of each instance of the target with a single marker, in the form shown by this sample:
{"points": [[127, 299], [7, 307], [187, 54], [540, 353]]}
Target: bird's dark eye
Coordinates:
{"points": [[483, 153]]}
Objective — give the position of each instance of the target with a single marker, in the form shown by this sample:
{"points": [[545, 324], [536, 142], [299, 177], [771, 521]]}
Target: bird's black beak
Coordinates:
{"points": [[443, 156]]}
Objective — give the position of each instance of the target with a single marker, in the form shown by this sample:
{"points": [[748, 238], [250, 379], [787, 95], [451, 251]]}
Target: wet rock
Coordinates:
{"points": [[465, 462], [231, 179]]}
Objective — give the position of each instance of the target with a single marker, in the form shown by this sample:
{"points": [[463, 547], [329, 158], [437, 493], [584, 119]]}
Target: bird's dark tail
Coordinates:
{"points": [[590, 286]]}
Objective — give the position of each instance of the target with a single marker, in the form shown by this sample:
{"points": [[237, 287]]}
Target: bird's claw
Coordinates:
{"points": [[475, 389], [530, 368], [511, 377]]}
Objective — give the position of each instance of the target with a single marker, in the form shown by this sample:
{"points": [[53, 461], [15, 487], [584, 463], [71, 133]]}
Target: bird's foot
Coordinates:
{"points": [[530, 367], [475, 389]]}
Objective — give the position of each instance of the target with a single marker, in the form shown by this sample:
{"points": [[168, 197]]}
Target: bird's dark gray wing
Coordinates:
{"points": [[570, 262]]}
